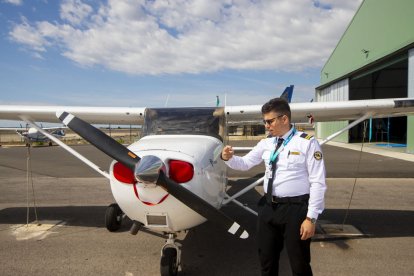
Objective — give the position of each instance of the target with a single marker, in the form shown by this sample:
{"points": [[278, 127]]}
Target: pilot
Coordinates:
{"points": [[294, 186]]}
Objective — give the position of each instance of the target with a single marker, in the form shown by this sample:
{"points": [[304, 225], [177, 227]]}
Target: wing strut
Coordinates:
{"points": [[351, 125], [242, 192], [66, 147]]}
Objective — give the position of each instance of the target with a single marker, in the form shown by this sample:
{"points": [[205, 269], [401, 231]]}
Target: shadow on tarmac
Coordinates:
{"points": [[208, 250], [374, 223]]}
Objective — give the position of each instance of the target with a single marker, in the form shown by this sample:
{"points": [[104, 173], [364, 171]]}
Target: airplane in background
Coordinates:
{"points": [[32, 135], [287, 93], [173, 178]]}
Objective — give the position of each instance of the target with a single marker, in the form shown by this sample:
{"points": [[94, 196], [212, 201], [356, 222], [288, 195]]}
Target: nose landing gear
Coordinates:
{"points": [[170, 257], [170, 252]]}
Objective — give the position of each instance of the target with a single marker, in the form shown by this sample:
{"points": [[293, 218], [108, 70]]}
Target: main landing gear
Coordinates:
{"points": [[113, 217], [170, 257]]}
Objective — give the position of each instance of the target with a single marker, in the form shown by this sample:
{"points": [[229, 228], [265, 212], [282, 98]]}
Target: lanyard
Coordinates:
{"points": [[274, 154]]}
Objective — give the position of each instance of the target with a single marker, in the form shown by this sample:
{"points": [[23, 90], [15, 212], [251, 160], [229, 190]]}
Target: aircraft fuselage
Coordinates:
{"points": [[152, 205]]}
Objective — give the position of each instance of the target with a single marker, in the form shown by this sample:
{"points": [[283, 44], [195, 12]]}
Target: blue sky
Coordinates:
{"points": [[165, 53]]}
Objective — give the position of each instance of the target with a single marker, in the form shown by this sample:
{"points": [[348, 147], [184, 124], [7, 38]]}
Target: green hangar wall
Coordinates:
{"points": [[374, 59]]}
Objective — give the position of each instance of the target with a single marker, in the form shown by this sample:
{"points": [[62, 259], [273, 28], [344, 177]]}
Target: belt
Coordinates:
{"points": [[292, 199]]}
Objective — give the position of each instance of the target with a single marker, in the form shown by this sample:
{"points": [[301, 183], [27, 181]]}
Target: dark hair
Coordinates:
{"points": [[278, 105]]}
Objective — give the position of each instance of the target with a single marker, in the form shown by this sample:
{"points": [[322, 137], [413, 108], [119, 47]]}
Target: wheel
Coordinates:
{"points": [[113, 217], [169, 262], [50, 144]]}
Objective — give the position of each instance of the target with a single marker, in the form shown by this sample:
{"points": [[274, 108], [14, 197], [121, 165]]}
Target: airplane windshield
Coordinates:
{"points": [[201, 120]]}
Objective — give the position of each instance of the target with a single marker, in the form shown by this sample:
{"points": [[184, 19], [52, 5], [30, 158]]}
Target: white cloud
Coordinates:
{"points": [[26, 34], [193, 36], [14, 2], [74, 11]]}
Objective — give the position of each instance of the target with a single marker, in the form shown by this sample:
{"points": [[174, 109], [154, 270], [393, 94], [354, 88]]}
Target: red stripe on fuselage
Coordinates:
{"points": [[145, 202]]}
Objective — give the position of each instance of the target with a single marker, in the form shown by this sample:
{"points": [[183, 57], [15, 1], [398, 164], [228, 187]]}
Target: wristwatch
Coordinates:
{"points": [[312, 220]]}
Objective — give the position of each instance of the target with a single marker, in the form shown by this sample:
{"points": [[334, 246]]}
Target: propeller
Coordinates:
{"points": [[122, 154]]}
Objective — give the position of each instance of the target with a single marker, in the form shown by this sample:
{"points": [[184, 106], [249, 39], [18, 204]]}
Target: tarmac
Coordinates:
{"points": [[374, 196]]}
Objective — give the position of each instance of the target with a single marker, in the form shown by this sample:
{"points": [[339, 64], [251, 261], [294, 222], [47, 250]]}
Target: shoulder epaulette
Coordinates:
{"points": [[306, 136]]}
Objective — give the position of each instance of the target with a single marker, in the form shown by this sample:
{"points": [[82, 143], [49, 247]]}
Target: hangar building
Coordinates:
{"points": [[374, 59]]}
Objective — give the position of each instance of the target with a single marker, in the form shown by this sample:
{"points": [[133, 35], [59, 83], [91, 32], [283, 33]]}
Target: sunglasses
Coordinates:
{"points": [[270, 121]]}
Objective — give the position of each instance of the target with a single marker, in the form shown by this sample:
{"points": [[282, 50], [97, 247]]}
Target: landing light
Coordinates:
{"points": [[181, 171]]}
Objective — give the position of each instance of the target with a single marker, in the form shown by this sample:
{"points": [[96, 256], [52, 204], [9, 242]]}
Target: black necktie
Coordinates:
{"points": [[270, 181]]}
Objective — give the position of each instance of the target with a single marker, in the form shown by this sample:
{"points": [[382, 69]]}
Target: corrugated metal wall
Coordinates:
{"points": [[336, 92]]}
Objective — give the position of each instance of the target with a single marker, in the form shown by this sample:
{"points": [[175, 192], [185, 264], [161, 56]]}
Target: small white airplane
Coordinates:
{"points": [[32, 135], [173, 178]]}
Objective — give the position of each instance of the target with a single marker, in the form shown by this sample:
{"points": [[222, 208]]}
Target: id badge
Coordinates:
{"points": [[268, 172]]}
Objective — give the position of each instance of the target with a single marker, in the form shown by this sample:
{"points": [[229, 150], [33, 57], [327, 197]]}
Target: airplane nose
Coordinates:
{"points": [[147, 170]]}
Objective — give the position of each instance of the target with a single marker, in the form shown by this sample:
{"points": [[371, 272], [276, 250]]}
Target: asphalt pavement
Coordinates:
{"points": [[71, 200]]}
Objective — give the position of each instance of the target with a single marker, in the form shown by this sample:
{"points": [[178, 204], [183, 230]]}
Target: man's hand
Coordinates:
{"points": [[307, 230], [227, 153]]}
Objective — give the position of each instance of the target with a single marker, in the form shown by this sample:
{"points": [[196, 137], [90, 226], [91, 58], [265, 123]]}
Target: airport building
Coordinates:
{"points": [[374, 59]]}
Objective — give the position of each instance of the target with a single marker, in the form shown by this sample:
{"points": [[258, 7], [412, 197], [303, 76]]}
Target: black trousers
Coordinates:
{"points": [[279, 225]]}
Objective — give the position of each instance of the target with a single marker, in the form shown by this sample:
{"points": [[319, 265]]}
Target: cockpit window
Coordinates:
{"points": [[200, 120]]}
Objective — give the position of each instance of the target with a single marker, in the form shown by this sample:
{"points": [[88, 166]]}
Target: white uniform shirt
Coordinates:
{"points": [[300, 168]]}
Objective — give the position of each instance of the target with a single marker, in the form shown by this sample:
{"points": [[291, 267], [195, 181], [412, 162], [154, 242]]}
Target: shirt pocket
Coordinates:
{"points": [[296, 159]]}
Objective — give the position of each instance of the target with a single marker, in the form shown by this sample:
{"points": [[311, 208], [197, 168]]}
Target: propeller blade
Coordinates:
{"points": [[99, 139], [200, 206], [120, 153]]}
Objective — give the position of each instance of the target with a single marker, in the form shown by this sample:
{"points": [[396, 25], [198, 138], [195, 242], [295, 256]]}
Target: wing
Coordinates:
{"points": [[54, 128], [12, 129], [94, 115], [329, 111], [320, 111]]}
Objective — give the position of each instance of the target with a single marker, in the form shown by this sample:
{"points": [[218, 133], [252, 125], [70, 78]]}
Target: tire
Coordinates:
{"points": [[168, 265], [113, 217]]}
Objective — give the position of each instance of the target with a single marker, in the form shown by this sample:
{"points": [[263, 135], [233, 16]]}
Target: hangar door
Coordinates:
{"points": [[388, 80]]}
